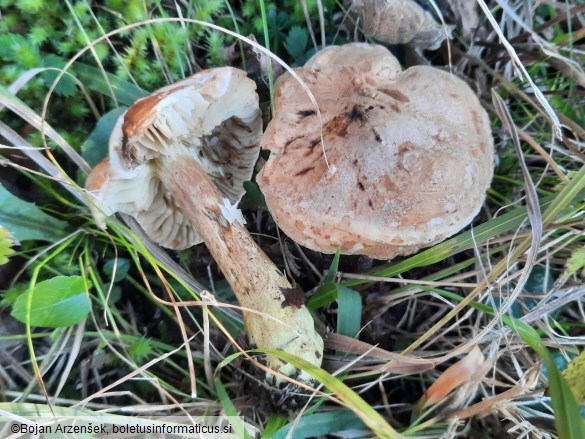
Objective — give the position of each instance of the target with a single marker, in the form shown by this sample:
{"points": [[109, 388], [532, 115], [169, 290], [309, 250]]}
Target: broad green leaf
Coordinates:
{"points": [[56, 303], [5, 245], [320, 424], [66, 85], [126, 92], [25, 221], [95, 146], [121, 265], [349, 311], [296, 41], [540, 281], [232, 326], [254, 192]]}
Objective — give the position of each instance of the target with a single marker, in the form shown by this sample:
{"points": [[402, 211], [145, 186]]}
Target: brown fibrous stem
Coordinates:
{"points": [[257, 283]]}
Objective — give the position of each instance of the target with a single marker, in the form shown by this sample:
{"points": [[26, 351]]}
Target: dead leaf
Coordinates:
{"points": [[456, 375], [467, 13], [374, 358]]}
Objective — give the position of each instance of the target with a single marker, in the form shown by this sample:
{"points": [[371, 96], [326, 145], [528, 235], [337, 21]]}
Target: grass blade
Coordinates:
{"points": [[350, 398]]}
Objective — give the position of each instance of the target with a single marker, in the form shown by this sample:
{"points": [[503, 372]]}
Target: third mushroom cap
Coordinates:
{"points": [[409, 154]]}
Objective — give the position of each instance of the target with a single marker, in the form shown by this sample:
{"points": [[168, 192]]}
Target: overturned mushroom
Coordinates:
{"points": [[178, 160], [409, 154]]}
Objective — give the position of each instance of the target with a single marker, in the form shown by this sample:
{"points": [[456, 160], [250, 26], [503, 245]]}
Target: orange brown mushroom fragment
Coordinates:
{"points": [[178, 160], [410, 154]]}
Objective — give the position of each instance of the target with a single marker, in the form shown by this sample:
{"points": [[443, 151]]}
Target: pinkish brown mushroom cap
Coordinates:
{"points": [[410, 154]]}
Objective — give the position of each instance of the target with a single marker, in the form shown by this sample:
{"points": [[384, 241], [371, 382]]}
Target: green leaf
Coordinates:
{"points": [[321, 424], [334, 267], [25, 221], [230, 409], [351, 399], [95, 147], [254, 192], [121, 265], [349, 312], [272, 426], [324, 295], [126, 93], [296, 41], [568, 420], [66, 85], [540, 281], [55, 303], [5, 245]]}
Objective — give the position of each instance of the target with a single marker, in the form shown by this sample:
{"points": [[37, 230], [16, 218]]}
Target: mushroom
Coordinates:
{"points": [[406, 162], [178, 160], [400, 22]]}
